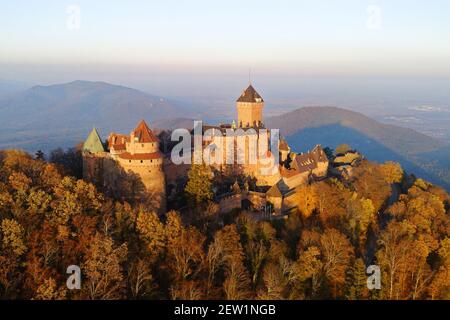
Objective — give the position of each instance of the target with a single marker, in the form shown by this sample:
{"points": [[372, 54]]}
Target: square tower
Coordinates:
{"points": [[249, 108]]}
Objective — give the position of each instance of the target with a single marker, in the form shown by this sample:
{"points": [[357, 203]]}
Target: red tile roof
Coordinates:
{"points": [[117, 141], [144, 134]]}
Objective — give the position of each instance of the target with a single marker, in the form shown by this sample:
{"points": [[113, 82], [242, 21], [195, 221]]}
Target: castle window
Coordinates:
{"points": [[142, 145], [129, 161], [151, 160], [142, 161]]}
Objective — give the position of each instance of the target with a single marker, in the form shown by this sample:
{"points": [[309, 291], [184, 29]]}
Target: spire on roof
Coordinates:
{"points": [[250, 95], [144, 134], [93, 142]]}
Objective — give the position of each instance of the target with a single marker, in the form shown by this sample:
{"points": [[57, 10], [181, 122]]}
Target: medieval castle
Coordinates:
{"points": [[139, 154]]}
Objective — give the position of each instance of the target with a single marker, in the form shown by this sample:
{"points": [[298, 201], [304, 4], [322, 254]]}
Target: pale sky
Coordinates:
{"points": [[351, 37]]}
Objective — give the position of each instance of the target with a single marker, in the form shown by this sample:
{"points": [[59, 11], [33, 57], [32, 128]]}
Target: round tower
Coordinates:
{"points": [[142, 157]]}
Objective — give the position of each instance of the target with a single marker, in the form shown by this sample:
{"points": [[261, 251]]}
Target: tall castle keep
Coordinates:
{"points": [[135, 154], [249, 108]]}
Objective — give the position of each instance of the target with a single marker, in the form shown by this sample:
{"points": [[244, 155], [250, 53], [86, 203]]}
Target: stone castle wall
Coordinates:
{"points": [[321, 170], [93, 167], [150, 171], [137, 147], [101, 169]]}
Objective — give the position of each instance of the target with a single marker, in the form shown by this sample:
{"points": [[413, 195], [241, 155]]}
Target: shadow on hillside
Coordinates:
{"points": [[336, 134]]}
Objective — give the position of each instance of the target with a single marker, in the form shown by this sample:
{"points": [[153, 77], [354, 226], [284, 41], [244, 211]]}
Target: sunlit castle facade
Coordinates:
{"points": [[135, 154], [249, 149]]}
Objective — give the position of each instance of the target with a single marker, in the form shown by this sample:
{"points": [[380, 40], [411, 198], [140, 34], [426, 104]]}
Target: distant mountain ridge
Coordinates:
{"points": [[44, 117], [86, 99]]}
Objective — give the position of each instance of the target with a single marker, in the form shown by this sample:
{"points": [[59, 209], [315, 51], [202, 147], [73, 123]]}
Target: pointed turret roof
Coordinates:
{"points": [[250, 95], [283, 145], [93, 142], [144, 134]]}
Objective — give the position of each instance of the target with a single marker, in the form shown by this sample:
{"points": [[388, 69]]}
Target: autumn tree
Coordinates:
{"points": [[186, 290], [151, 231], [140, 279], [306, 199], [369, 182], [12, 249], [102, 267], [13, 237], [275, 283], [49, 290], [199, 186], [226, 258], [392, 172], [360, 214], [331, 201], [185, 253], [394, 257], [356, 283], [237, 283], [337, 254], [440, 286], [257, 238], [307, 273]]}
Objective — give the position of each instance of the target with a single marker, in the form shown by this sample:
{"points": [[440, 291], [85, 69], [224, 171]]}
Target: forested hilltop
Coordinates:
{"points": [[381, 216]]}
